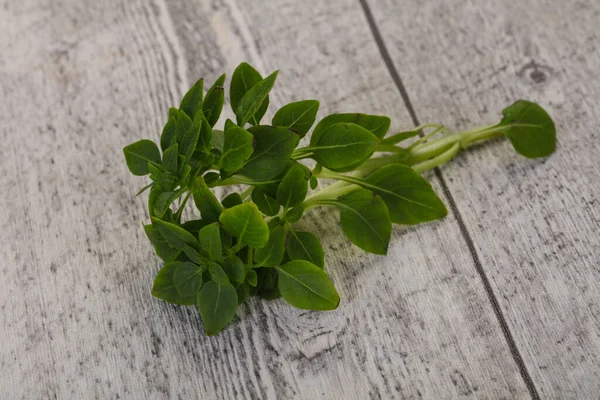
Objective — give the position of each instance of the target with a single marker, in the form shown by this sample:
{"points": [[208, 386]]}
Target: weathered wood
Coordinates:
{"points": [[534, 223], [80, 80]]}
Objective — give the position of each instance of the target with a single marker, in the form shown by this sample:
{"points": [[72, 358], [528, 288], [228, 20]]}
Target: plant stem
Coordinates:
{"points": [[181, 207], [421, 156]]}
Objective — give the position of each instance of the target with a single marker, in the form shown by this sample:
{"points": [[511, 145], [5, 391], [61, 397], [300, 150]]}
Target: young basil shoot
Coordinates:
{"points": [[247, 243]]}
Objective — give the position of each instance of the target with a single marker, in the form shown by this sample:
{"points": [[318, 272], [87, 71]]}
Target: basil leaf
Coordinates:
{"points": [[293, 188], [273, 147], [252, 278], [169, 159], [164, 201], [194, 226], [139, 154], [213, 102], [237, 148], [253, 99], [410, 199], [378, 125], [164, 286], [243, 79], [183, 124], [267, 283], [232, 200], [161, 247], [234, 268], [217, 303], [265, 203], [246, 223], [306, 286], [313, 182], [343, 146], [205, 200], [305, 246], [298, 116], [168, 134], [243, 292], [529, 128], [217, 274], [210, 240], [176, 236], [272, 253], [192, 100], [187, 279], [205, 135], [365, 221], [189, 141]]}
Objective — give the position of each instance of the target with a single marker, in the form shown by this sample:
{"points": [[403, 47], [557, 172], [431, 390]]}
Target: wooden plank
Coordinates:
{"points": [[78, 83], [534, 223]]}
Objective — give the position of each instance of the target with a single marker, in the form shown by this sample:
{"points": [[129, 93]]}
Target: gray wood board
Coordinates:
{"points": [[534, 224], [79, 80]]}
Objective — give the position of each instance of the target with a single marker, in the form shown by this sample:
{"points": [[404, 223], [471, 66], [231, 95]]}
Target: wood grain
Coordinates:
{"points": [[79, 80], [534, 224]]}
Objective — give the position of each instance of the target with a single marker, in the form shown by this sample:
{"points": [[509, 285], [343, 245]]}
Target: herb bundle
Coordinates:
{"points": [[246, 244]]}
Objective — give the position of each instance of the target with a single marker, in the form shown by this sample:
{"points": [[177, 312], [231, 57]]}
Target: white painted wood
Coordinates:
{"points": [[534, 223], [79, 80]]}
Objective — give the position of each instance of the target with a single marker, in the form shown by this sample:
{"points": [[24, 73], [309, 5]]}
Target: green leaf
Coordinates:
{"points": [[267, 283], [164, 286], [343, 146], [234, 268], [399, 137], [194, 226], [187, 279], [529, 128], [168, 134], [210, 240], [139, 154], [365, 220], [294, 214], [252, 278], [298, 116], [378, 125], [164, 201], [254, 98], [169, 160], [236, 149], [217, 303], [205, 200], [192, 101], [305, 246], [213, 102], [246, 223], [219, 139], [272, 253], [265, 203], [293, 188], [410, 199], [244, 78], [176, 236], [314, 182], [161, 247], [273, 147], [243, 292], [173, 112], [205, 135], [304, 285], [217, 274], [183, 124], [232, 200]]}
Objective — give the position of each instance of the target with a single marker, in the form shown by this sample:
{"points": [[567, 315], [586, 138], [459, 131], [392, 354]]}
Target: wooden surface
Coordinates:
{"points": [[499, 300]]}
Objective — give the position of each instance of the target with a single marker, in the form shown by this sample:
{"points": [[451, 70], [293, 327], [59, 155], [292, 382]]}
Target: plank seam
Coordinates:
{"points": [[385, 55]]}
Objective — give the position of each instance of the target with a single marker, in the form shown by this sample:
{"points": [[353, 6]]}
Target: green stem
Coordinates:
{"points": [[181, 207], [439, 160]]}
